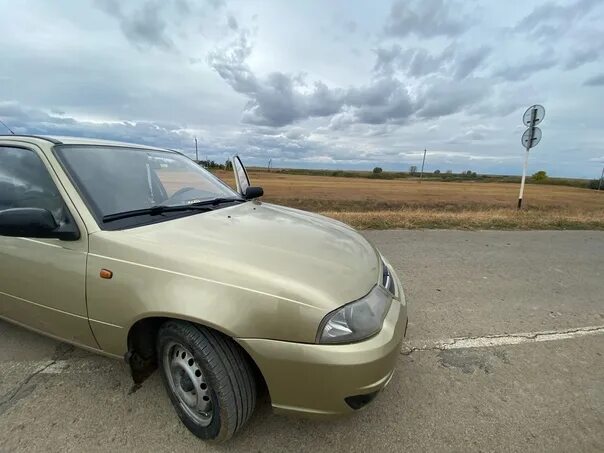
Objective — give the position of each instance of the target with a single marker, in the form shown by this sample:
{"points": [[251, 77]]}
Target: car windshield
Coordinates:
{"points": [[118, 179]]}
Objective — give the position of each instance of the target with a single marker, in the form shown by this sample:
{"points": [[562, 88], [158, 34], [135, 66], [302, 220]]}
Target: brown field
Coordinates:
{"points": [[404, 203]]}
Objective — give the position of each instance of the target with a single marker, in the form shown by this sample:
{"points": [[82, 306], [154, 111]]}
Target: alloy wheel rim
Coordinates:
{"points": [[187, 382]]}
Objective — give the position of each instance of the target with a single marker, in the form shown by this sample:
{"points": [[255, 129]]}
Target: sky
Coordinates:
{"points": [[340, 84]]}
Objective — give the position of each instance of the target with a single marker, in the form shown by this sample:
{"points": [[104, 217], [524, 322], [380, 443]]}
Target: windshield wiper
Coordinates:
{"points": [[160, 209], [217, 201], [154, 210]]}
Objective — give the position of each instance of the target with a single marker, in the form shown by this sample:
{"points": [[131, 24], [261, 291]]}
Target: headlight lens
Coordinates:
{"points": [[357, 320]]}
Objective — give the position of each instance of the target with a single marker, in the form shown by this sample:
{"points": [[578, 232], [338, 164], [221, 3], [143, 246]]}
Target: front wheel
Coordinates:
{"points": [[208, 378]]}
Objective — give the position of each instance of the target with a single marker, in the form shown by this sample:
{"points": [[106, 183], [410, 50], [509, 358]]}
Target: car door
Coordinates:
{"points": [[42, 281]]}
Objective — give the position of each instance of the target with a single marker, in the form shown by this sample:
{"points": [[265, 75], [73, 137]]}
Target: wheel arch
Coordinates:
{"points": [[142, 346]]}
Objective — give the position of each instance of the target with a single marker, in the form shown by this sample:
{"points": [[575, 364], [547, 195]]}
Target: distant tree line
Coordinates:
{"points": [[212, 165]]}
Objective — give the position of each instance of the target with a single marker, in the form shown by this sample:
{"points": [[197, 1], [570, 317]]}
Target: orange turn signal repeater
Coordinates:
{"points": [[106, 273]]}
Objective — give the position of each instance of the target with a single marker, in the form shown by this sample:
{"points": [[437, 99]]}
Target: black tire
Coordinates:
{"points": [[225, 368]]}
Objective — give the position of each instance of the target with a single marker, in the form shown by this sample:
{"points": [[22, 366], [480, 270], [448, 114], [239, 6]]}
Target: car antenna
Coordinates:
{"points": [[9, 129]]}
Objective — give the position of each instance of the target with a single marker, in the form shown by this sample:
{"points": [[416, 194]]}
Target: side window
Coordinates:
{"points": [[25, 183]]}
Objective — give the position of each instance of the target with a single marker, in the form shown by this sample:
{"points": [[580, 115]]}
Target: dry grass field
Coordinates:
{"points": [[405, 203]]}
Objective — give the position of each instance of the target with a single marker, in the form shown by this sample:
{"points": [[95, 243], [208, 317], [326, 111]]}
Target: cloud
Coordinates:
{"points": [[33, 121], [549, 20], [582, 56], [477, 133], [275, 100], [383, 100], [280, 99], [144, 27], [418, 62], [470, 61], [153, 23], [442, 97], [350, 26], [528, 67], [424, 18], [595, 81], [232, 22]]}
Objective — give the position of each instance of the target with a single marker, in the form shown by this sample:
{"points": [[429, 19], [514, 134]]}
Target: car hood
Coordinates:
{"points": [[260, 247]]}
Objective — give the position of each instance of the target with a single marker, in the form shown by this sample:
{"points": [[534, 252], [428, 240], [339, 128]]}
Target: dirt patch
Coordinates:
{"points": [[470, 361]]}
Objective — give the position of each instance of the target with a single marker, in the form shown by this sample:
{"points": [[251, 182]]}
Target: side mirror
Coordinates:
{"points": [[253, 192], [32, 223], [241, 177]]}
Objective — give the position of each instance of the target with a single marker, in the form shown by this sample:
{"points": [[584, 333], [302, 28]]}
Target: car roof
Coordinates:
{"points": [[65, 140]]}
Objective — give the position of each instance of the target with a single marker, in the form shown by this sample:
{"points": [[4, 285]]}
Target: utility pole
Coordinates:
{"points": [[269, 164], [196, 151], [423, 162], [601, 177]]}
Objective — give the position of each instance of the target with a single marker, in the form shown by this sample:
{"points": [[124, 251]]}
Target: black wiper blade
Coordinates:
{"points": [[153, 210], [216, 201]]}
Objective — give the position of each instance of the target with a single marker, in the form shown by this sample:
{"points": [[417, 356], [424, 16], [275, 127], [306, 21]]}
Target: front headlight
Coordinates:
{"points": [[357, 320], [387, 279]]}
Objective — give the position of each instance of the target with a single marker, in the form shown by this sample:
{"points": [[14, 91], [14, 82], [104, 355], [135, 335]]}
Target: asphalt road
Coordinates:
{"points": [[531, 396]]}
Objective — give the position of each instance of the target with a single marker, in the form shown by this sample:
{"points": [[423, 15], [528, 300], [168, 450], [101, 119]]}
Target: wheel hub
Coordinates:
{"points": [[187, 382]]}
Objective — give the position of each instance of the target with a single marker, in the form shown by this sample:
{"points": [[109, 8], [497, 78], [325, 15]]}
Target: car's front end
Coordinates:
{"points": [[312, 302], [331, 376]]}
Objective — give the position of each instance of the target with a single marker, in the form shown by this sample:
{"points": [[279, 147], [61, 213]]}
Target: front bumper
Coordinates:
{"points": [[314, 379]]}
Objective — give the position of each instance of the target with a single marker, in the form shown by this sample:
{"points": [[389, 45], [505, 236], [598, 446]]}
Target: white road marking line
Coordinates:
{"points": [[501, 340]]}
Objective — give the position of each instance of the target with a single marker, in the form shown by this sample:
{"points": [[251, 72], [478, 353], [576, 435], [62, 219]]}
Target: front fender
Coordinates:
{"points": [[138, 291]]}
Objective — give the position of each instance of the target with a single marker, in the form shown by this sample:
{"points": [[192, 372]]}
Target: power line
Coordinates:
{"points": [[9, 129]]}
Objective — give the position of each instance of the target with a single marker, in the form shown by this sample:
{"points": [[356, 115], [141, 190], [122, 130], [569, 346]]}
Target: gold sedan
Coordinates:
{"points": [[139, 253]]}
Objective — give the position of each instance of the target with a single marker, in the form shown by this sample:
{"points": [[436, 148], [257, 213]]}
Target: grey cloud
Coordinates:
{"points": [[183, 7], [597, 80], [445, 97], [422, 63], [217, 4], [507, 98], [424, 18], [387, 59], [28, 120], [152, 23], [278, 99], [580, 57], [415, 62], [144, 27], [281, 99], [478, 133], [275, 100], [232, 22], [468, 62], [418, 62], [528, 67], [550, 20], [350, 26], [382, 101]]}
